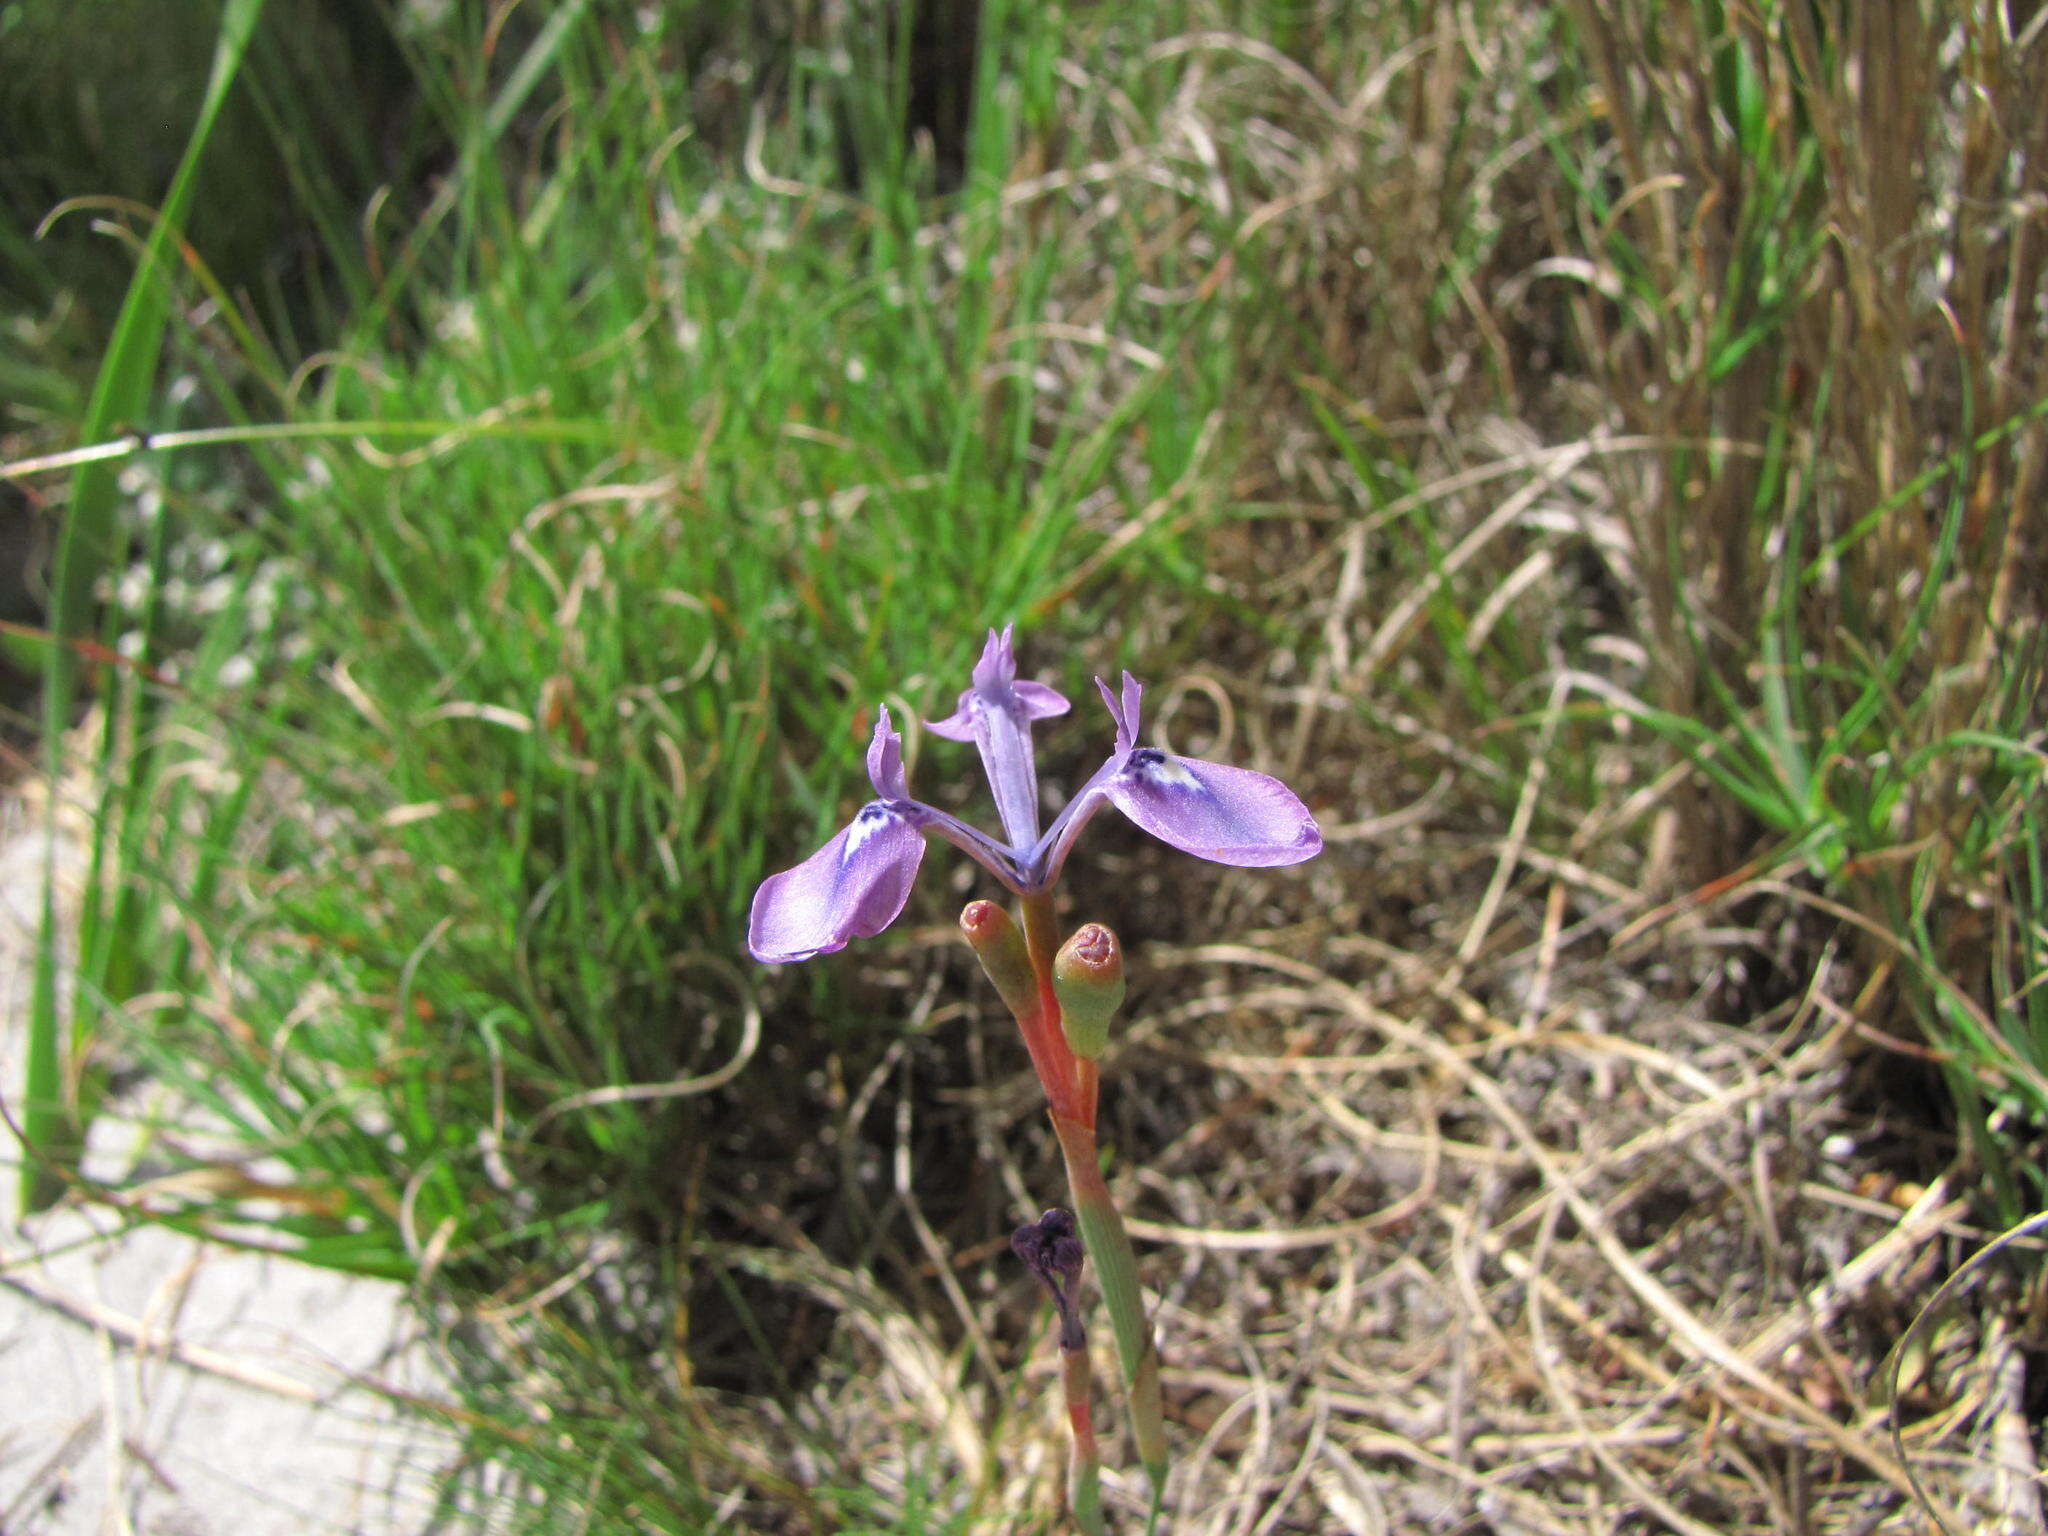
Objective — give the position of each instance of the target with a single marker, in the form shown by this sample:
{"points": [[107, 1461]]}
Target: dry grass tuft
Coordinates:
{"points": [[1423, 1260], [1546, 1158]]}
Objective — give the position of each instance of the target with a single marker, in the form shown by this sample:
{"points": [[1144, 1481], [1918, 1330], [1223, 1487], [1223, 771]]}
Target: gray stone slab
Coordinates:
{"points": [[154, 1383]]}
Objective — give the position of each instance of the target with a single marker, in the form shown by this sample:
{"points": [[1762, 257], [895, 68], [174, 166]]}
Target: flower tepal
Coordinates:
{"points": [[1212, 810], [855, 885], [996, 715], [858, 882]]}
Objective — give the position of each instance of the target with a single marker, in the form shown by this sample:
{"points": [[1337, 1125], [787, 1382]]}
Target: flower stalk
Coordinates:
{"points": [[1086, 975], [1084, 1472], [1116, 1272]]}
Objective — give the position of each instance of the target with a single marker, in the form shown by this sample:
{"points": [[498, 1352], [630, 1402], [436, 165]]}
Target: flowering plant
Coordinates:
{"points": [[1063, 997]]}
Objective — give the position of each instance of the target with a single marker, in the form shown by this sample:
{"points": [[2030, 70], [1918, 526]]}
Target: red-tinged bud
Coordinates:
{"points": [[999, 945], [1088, 977]]}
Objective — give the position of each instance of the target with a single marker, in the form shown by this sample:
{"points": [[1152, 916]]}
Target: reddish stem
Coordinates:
{"points": [[1050, 1059], [1077, 1378], [1069, 1083]]}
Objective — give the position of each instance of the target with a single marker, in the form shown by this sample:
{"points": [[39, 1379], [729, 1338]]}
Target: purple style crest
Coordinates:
{"points": [[857, 884]]}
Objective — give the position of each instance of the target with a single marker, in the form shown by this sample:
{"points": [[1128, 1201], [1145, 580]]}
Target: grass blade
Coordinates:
{"points": [[87, 549]]}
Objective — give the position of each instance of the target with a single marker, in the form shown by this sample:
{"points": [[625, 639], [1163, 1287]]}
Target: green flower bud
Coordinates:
{"points": [[999, 944], [1088, 977]]}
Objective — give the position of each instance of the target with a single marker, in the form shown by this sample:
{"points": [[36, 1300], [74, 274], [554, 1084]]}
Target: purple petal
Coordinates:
{"points": [[1230, 815], [996, 687], [1127, 714], [1040, 702], [997, 668], [852, 888], [996, 715], [885, 760]]}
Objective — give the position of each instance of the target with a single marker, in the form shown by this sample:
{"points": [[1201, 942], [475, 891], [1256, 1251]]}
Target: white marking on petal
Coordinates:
{"points": [[872, 818], [1155, 767]]}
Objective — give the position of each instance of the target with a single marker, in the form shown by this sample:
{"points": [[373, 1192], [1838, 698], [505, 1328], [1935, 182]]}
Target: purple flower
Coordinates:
{"points": [[857, 883]]}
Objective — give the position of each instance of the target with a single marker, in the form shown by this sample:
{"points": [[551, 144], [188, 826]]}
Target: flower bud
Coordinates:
{"points": [[999, 945], [1088, 976], [1052, 1249]]}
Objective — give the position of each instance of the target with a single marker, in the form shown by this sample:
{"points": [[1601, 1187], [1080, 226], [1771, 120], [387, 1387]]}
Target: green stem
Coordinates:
{"points": [[1041, 935], [1116, 1271]]}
